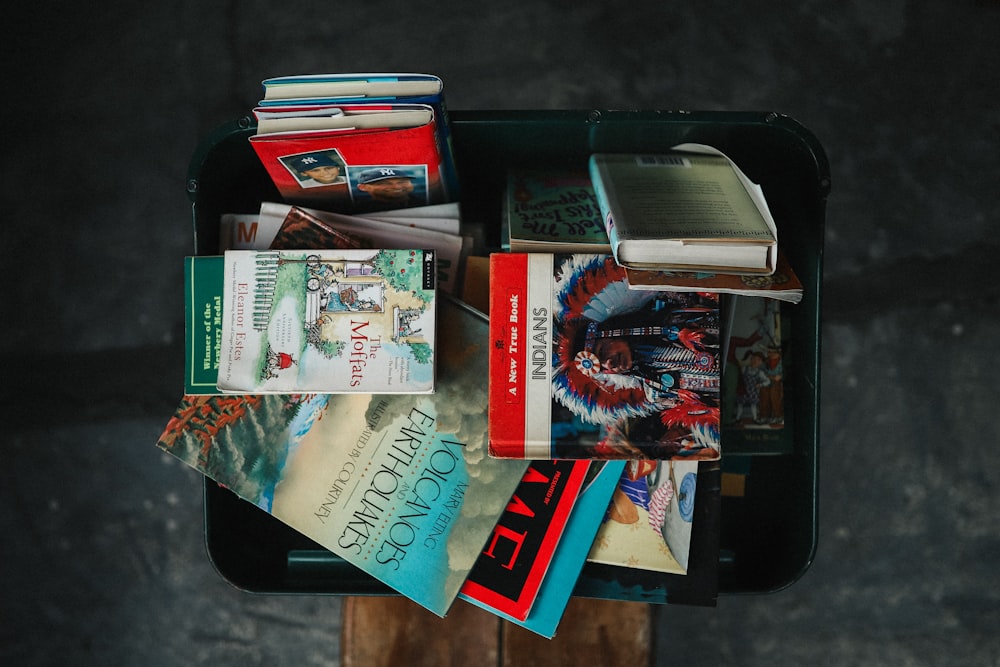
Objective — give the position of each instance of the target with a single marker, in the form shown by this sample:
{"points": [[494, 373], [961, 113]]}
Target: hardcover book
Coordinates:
{"points": [[552, 211], [399, 485], [684, 210], [581, 366], [571, 551], [328, 321], [509, 573], [648, 523]]}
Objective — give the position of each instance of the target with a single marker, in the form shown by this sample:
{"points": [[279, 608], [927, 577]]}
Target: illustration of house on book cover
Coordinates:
{"points": [[332, 321]]}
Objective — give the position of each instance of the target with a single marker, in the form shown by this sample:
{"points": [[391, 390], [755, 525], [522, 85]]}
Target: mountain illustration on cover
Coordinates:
{"points": [[398, 484]]}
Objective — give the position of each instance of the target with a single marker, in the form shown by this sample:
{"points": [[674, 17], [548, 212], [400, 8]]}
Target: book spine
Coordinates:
{"points": [[520, 361], [604, 204]]}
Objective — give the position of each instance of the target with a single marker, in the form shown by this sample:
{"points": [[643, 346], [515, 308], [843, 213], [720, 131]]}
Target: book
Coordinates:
{"points": [[240, 231], [451, 249], [648, 523], [399, 485], [203, 279], [326, 90], [753, 407], [571, 551], [508, 575], [783, 284], [317, 87], [271, 120], [689, 209], [581, 366], [352, 320], [699, 585], [354, 170], [552, 211]]}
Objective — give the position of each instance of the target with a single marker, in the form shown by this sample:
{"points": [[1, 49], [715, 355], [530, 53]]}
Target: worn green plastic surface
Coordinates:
{"points": [[769, 536]]}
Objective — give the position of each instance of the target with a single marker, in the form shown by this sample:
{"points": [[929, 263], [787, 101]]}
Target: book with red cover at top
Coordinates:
{"points": [[509, 572], [581, 366], [356, 169]]}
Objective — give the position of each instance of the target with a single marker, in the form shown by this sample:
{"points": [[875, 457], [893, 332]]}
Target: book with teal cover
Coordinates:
{"points": [[399, 485], [202, 323]]}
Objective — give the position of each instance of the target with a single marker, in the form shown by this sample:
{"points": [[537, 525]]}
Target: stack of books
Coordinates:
{"points": [[338, 377]]}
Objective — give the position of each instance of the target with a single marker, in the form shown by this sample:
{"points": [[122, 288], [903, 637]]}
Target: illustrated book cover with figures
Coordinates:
{"points": [[399, 485], [419, 153], [648, 523], [581, 366], [754, 420], [328, 321], [552, 211], [700, 498], [689, 209], [507, 576]]}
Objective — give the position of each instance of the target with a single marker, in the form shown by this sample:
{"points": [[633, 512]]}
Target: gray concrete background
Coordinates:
{"points": [[103, 560]]}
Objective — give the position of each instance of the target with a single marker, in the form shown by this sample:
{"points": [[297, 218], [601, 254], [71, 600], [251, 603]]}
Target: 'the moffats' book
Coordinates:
{"points": [[399, 485], [581, 366], [328, 321]]}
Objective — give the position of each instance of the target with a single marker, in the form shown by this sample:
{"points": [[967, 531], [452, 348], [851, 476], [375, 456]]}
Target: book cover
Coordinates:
{"points": [[571, 551], [399, 485], [553, 211], [372, 88], [698, 586], [355, 171], [783, 284], [296, 118], [648, 523], [203, 278], [683, 210], [328, 321], [509, 573], [581, 366], [753, 408], [300, 229], [450, 249], [360, 85]]}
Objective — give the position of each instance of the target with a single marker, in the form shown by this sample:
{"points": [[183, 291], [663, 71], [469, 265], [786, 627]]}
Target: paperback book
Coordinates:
{"points": [[581, 366], [397, 484], [552, 211], [648, 523], [699, 585], [322, 229], [690, 209], [328, 321], [420, 152], [571, 551], [509, 573]]}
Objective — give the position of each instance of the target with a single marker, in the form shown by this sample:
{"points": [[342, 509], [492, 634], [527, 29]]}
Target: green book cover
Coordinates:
{"points": [[202, 323]]}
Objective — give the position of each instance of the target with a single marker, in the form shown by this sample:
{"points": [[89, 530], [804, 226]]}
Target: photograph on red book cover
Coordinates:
{"points": [[584, 367], [355, 171]]}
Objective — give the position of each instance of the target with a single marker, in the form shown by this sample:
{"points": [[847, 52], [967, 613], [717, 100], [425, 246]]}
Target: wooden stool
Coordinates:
{"points": [[394, 631]]}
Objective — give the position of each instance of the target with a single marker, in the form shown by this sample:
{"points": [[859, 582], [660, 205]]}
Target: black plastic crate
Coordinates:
{"points": [[769, 533]]}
